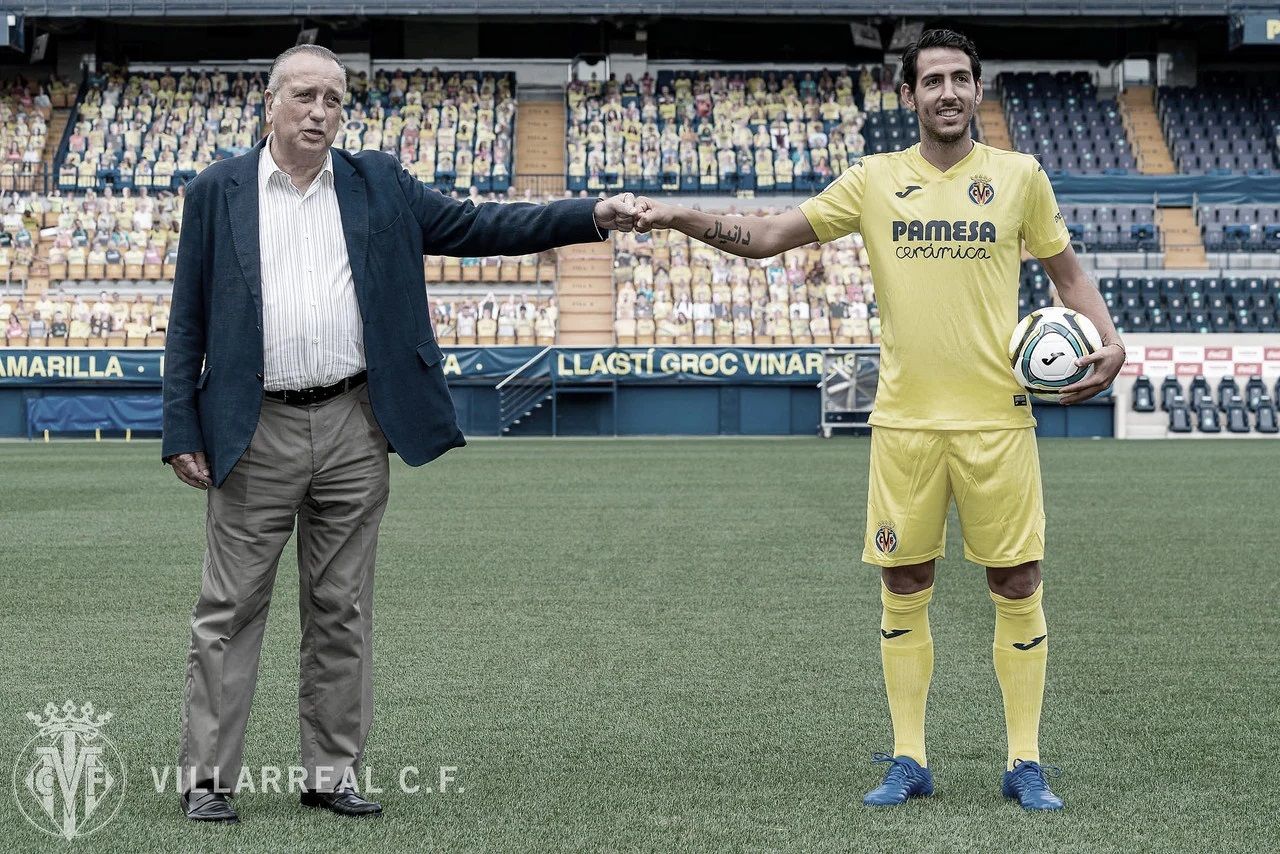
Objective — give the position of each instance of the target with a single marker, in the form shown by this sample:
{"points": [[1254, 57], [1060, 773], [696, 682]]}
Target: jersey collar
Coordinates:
{"points": [[933, 171]]}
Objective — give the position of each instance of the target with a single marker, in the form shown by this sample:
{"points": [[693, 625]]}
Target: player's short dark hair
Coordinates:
{"points": [[939, 38]]}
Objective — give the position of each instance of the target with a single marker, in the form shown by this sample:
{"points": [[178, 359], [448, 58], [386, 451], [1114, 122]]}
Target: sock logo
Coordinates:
{"points": [[1034, 642], [890, 635]]}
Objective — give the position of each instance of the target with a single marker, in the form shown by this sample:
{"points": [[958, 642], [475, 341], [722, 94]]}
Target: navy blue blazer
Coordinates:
{"points": [[213, 359]]}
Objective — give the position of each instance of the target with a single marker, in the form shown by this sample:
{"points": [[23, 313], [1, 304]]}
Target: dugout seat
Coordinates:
{"points": [[1198, 391], [1237, 419], [1266, 416], [1179, 415], [1143, 395], [1254, 390], [1207, 415], [1169, 389], [1227, 389]]}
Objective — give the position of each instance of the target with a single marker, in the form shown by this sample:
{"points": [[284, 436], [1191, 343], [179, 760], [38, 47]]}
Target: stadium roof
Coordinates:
{"points": [[487, 8]]}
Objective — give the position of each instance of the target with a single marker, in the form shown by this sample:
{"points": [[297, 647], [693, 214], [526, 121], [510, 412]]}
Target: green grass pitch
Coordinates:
{"points": [[670, 645]]}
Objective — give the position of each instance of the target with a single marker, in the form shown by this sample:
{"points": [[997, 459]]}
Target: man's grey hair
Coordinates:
{"points": [[274, 79]]}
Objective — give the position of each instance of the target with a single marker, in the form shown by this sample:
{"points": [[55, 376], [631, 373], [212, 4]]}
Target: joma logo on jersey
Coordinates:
{"points": [[942, 230]]}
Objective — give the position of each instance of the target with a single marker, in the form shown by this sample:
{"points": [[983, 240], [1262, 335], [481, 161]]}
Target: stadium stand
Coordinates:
{"points": [[1108, 228], [1226, 125], [1060, 117], [725, 131], [105, 257], [671, 290], [1192, 303], [1240, 228], [114, 227], [25, 108], [159, 129]]}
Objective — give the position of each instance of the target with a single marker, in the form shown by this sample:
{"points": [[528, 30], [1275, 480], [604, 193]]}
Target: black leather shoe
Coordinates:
{"points": [[344, 802], [208, 806]]}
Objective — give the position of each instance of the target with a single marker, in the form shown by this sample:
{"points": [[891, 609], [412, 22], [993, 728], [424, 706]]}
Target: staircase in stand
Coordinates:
{"points": [[58, 119], [1142, 126], [1183, 246], [540, 143], [523, 393], [584, 293], [992, 123]]}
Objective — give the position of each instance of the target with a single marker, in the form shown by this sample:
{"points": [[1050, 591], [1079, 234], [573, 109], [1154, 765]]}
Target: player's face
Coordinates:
{"points": [[306, 112], [945, 96]]}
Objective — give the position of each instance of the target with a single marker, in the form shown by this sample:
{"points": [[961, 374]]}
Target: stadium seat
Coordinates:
{"points": [[1169, 389], [1254, 390], [1227, 389], [1207, 415], [1266, 416], [1237, 418], [1179, 415], [1143, 395], [1199, 390]]}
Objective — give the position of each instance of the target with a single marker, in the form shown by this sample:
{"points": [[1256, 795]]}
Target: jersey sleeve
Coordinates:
{"points": [[837, 210], [1043, 227]]}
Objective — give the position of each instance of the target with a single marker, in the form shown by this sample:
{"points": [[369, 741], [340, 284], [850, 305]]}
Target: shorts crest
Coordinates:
{"points": [[886, 538]]}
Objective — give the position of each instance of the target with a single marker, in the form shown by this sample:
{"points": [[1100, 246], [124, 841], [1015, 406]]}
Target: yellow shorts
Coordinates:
{"points": [[994, 476]]}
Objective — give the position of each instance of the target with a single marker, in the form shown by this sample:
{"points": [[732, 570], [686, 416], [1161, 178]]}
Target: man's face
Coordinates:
{"points": [[945, 96], [306, 112]]}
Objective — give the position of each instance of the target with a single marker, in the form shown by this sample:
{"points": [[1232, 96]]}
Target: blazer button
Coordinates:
{"points": [[259, 377]]}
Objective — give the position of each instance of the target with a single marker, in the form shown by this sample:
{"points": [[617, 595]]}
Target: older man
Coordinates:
{"points": [[299, 352]]}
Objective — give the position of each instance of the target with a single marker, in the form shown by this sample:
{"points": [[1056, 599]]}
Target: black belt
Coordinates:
{"points": [[317, 394]]}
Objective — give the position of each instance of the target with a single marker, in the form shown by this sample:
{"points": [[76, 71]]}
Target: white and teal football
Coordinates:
{"points": [[1044, 349]]}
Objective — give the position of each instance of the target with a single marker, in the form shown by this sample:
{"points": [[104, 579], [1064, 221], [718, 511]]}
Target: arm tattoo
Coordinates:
{"points": [[722, 236]]}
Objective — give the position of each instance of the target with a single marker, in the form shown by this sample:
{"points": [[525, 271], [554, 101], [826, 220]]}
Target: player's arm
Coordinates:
{"points": [[748, 236], [1078, 293]]}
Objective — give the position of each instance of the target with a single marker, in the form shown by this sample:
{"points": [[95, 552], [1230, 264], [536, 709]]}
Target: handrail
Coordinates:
{"points": [[518, 370]]}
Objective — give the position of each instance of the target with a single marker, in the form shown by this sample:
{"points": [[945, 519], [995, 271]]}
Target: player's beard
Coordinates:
{"points": [[946, 137]]}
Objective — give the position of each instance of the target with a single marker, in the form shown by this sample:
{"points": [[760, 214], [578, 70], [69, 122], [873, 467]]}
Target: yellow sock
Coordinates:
{"points": [[1021, 651], [906, 650]]}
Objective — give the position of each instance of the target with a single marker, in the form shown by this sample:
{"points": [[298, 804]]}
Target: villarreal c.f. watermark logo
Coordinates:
{"points": [[886, 538], [69, 780], [981, 190]]}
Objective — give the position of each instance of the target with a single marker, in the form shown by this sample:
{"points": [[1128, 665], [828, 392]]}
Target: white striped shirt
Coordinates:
{"points": [[311, 327]]}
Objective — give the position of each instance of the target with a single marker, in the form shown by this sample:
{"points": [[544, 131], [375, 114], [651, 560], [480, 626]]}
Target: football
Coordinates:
{"points": [[1044, 348]]}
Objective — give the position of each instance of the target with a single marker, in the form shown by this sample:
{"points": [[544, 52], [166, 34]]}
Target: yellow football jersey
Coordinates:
{"points": [[945, 251]]}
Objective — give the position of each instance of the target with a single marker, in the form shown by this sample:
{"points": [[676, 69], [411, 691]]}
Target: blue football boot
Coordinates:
{"points": [[905, 779], [1026, 784]]}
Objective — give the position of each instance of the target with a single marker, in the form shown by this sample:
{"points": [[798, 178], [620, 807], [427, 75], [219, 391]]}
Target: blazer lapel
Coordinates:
{"points": [[242, 204], [353, 204]]}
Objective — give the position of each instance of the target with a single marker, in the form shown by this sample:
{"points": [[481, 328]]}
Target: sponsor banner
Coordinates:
{"points": [[1155, 354], [1131, 369], [1189, 369], [145, 367], [1248, 369], [1188, 354], [80, 366], [1217, 367], [1247, 353], [1263, 29]]}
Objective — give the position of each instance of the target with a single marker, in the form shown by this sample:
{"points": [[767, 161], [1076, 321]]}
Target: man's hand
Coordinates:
{"points": [[1106, 362], [651, 215], [192, 469], [617, 213]]}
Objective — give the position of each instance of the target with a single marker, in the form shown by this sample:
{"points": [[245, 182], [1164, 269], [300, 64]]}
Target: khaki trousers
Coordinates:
{"points": [[325, 466]]}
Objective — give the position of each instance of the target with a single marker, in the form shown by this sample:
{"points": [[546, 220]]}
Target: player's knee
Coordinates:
{"points": [[1014, 582], [908, 579]]}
